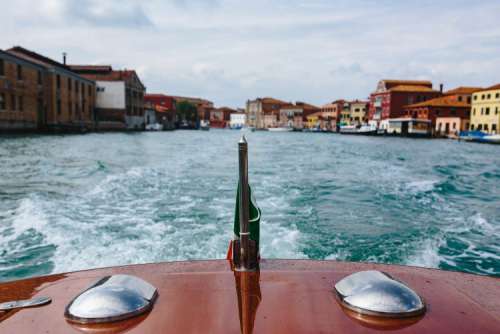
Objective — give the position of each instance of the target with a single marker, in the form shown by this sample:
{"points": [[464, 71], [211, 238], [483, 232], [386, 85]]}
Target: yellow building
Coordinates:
{"points": [[485, 115], [313, 121]]}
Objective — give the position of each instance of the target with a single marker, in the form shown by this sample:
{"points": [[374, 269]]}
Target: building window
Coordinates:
{"points": [[497, 95], [58, 81], [487, 111], [475, 97], [459, 99], [494, 127], [486, 127], [468, 99], [2, 101], [479, 127], [2, 67], [472, 127], [21, 103], [19, 72], [488, 96], [13, 100], [77, 84], [69, 84], [70, 108], [482, 97], [474, 111], [58, 107], [39, 77], [496, 111], [100, 89], [454, 125], [90, 90]]}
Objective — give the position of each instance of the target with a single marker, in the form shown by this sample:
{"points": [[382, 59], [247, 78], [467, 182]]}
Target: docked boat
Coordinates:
{"points": [[246, 294], [367, 130], [205, 125], [247, 128], [348, 129], [479, 137], [281, 129]]}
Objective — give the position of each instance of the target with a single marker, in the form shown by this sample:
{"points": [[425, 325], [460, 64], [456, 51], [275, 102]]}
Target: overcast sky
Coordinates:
{"points": [[230, 51]]}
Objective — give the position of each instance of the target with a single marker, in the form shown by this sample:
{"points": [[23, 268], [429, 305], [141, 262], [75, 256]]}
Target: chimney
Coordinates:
{"points": [[441, 88], [64, 58]]}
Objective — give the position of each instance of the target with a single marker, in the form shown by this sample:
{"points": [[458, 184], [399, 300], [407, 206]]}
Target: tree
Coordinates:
{"points": [[187, 112]]}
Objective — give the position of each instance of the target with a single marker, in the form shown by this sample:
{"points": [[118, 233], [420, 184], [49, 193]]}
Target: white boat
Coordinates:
{"points": [[280, 129], [204, 125], [248, 128], [492, 139], [348, 129], [154, 127]]}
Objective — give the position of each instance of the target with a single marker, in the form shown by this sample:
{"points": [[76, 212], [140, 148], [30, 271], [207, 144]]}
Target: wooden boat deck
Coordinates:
{"points": [[291, 296]]}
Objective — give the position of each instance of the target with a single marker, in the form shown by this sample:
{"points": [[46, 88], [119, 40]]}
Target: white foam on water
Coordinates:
{"points": [[427, 254], [420, 186], [25, 217], [278, 241]]}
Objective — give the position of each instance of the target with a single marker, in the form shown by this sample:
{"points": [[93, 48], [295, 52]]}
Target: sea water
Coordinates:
{"points": [[84, 201]]}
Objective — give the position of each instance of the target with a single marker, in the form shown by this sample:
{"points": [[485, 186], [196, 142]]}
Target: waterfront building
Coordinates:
{"points": [[329, 112], [270, 120], [237, 119], [345, 113], [203, 106], [22, 94], [257, 109], [485, 114], [446, 115], [391, 96], [291, 116], [65, 101], [220, 117], [357, 112], [313, 121], [164, 109], [120, 97]]}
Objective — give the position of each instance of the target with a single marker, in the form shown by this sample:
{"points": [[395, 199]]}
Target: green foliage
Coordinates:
{"points": [[187, 111]]}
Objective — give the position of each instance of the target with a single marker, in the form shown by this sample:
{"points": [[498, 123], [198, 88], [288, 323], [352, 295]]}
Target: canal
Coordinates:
{"points": [[84, 201]]}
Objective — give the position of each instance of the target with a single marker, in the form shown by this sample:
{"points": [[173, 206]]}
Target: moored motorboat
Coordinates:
{"points": [[281, 129], [205, 125], [246, 294], [479, 137]]}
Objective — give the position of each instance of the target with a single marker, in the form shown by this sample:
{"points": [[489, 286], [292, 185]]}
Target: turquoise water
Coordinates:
{"points": [[85, 201]]}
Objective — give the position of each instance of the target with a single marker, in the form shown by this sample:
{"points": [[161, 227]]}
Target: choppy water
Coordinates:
{"points": [[77, 202]]}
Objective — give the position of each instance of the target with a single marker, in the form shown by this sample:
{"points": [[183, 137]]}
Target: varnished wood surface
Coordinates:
{"points": [[286, 297]]}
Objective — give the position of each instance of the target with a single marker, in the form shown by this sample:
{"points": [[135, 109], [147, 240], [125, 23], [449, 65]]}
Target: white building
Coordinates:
{"points": [[237, 120]]}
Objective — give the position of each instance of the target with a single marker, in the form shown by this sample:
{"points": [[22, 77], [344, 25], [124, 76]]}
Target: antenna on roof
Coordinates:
{"points": [[64, 57]]}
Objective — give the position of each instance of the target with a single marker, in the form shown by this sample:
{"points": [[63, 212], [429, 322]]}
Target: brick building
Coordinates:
{"points": [[391, 96], [220, 117], [120, 97], [22, 94], [65, 100], [446, 114], [264, 112]]}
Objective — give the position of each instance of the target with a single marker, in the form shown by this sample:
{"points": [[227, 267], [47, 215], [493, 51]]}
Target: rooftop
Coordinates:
{"points": [[407, 82], [494, 87], [91, 68], [462, 90], [445, 101], [411, 88], [35, 57]]}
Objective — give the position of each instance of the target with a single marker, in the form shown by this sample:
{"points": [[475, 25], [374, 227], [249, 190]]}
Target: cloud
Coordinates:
{"points": [[95, 13], [229, 51]]}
